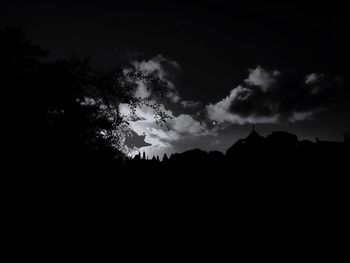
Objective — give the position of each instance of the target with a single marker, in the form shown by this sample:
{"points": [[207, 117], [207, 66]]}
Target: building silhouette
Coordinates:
{"points": [[278, 153], [254, 141]]}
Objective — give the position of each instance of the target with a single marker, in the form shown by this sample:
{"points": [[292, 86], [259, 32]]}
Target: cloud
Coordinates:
{"points": [[181, 130], [133, 140], [262, 78], [186, 125], [313, 78], [164, 139], [221, 111], [271, 97], [141, 90], [315, 82], [159, 67], [190, 104], [167, 71]]}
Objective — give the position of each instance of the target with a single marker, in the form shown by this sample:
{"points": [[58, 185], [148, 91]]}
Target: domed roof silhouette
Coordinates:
{"points": [[254, 136], [253, 140]]}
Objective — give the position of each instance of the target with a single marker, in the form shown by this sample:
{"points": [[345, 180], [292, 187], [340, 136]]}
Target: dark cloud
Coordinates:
{"points": [[166, 70], [272, 97], [135, 141]]}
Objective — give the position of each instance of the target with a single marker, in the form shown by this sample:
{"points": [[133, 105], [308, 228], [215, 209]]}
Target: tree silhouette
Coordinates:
{"points": [[165, 158], [69, 111]]}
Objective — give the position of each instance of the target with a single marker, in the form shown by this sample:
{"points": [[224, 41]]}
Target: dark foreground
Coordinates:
{"points": [[280, 205]]}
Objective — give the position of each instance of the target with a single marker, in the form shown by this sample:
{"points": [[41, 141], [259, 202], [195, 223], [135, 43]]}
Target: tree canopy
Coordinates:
{"points": [[69, 111]]}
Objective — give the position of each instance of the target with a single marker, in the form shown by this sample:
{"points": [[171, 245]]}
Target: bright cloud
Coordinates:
{"points": [[262, 78], [163, 138]]}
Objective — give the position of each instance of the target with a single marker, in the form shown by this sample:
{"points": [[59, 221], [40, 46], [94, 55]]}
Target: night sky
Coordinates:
{"points": [[229, 64]]}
